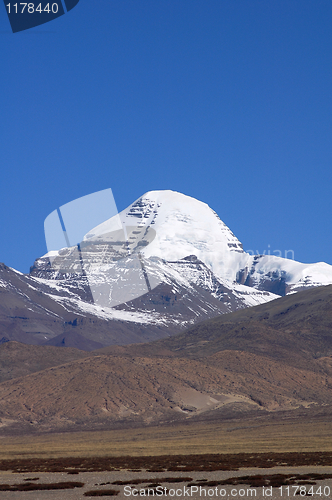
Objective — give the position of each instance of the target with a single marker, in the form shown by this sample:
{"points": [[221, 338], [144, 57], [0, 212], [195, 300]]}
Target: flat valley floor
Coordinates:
{"points": [[272, 433], [230, 459]]}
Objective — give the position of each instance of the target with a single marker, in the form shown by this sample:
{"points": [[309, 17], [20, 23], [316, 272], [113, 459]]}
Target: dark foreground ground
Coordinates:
{"points": [[254, 475], [170, 463]]}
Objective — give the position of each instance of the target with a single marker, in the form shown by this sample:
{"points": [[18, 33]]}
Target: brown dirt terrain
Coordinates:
{"points": [[268, 360], [109, 390]]}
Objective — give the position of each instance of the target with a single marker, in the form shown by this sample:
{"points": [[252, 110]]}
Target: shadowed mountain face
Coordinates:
{"points": [[61, 312], [34, 312], [18, 360], [298, 325], [275, 357], [295, 328]]}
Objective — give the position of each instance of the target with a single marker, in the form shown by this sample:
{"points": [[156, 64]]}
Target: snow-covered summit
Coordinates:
{"points": [[180, 226], [172, 226]]}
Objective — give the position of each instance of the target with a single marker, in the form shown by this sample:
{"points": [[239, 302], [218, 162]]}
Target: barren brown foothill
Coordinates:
{"points": [[243, 392]]}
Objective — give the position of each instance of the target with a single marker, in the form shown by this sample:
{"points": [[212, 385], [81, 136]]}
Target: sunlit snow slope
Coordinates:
{"points": [[185, 226]]}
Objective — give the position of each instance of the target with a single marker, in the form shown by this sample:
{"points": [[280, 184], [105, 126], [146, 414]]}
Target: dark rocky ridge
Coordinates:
{"points": [[52, 308]]}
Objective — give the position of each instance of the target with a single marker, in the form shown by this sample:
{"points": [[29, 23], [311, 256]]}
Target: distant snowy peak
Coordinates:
{"points": [[283, 276]]}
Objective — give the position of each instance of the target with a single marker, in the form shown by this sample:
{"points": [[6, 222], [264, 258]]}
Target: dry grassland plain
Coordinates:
{"points": [[250, 436]]}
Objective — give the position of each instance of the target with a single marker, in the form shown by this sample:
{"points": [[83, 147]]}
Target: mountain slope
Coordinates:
{"points": [[273, 357], [296, 328], [112, 390], [45, 311], [18, 360], [34, 311]]}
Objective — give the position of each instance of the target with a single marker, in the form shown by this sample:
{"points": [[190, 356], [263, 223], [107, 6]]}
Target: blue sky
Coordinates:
{"points": [[228, 101]]}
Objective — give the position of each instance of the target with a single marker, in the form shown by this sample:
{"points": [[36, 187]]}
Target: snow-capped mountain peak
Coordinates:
{"points": [[166, 262], [182, 226], [172, 226]]}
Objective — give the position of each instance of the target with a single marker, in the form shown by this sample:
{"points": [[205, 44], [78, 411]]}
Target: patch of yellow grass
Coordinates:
{"points": [[194, 438]]}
